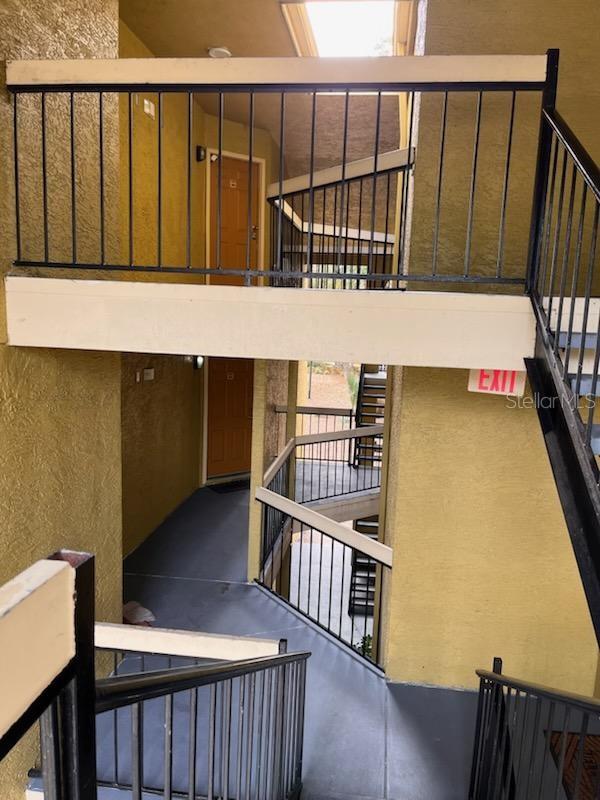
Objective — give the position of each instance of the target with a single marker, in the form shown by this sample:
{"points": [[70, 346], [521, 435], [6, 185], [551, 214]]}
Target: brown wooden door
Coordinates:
{"points": [[234, 218], [230, 390]]}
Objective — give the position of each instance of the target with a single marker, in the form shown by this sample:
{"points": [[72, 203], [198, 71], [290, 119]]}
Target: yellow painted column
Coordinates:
{"points": [[483, 564]]}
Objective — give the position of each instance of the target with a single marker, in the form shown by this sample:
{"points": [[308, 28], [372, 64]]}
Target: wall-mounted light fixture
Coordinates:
{"points": [[196, 361]]}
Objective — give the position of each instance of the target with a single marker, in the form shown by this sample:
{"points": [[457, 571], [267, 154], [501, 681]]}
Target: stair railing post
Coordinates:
{"points": [[541, 172], [74, 718]]}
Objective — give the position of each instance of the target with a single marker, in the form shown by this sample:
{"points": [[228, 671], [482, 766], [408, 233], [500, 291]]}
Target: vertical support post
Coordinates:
{"points": [[76, 704], [542, 171]]}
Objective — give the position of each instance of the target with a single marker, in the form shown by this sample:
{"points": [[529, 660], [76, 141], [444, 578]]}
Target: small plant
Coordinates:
{"points": [[365, 646]]}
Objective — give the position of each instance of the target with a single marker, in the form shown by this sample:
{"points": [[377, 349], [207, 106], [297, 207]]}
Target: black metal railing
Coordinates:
{"points": [[317, 419], [223, 730], [114, 178], [327, 469], [64, 708], [312, 571], [566, 285], [532, 741]]}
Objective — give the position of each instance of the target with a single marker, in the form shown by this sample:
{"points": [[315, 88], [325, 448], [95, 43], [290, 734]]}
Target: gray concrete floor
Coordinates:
{"points": [[365, 739]]}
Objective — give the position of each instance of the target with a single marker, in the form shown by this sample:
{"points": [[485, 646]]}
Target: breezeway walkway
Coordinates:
{"points": [[365, 739]]}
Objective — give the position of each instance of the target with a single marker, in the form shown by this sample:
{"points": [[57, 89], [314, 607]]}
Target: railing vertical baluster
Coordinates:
{"points": [[240, 735], [101, 175], [137, 750], [250, 736], [193, 733], [473, 183], [50, 752], [250, 232], [551, 710], [220, 180], [556, 242], [438, 200], [311, 190], [159, 181], [406, 178], [226, 691], [565, 260], [588, 293], [509, 143], [580, 755], [575, 280], [190, 128], [548, 226], [130, 100], [343, 198], [73, 177], [44, 178], [563, 750], [374, 180], [281, 173], [168, 754], [16, 174], [212, 725]]}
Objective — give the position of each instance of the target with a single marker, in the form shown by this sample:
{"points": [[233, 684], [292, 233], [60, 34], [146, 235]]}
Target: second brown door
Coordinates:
{"points": [[230, 389]]}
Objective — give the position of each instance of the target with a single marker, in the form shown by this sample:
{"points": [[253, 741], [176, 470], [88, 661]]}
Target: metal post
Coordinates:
{"points": [[76, 703], [542, 171]]}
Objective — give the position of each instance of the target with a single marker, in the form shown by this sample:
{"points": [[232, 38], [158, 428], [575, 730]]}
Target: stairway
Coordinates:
{"points": [[364, 570], [370, 410]]}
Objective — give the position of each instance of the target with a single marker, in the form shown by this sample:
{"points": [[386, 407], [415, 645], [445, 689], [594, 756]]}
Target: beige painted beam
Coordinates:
{"points": [[393, 159], [379, 552], [358, 505], [192, 644], [428, 329], [389, 72], [37, 635]]}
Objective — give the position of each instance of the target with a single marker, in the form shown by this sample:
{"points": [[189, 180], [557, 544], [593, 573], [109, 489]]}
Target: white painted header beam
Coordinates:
{"points": [[410, 328], [37, 635], [341, 533], [363, 167], [391, 71], [192, 644]]}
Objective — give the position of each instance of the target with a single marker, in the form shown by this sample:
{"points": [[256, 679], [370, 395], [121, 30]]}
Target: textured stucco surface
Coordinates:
{"points": [[483, 564], [161, 423], [60, 483], [461, 27], [271, 380]]}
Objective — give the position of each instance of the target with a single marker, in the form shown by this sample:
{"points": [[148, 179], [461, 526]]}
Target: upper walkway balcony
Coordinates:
{"points": [[409, 173]]}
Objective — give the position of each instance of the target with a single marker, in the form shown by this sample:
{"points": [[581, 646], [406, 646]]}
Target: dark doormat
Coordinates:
{"points": [[589, 786], [233, 486]]}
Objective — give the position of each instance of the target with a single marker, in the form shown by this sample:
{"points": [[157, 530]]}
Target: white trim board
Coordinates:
{"points": [[363, 167], [192, 644], [341, 533], [410, 328], [37, 631], [389, 71]]}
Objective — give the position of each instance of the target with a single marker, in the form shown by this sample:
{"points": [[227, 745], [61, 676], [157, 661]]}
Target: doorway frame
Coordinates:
{"points": [[262, 184]]}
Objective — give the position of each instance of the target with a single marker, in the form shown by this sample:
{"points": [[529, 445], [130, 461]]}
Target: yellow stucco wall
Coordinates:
{"points": [[161, 422], [60, 481], [483, 564], [456, 27], [271, 381]]}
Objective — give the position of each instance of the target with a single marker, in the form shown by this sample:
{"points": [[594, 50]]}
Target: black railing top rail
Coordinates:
{"points": [[124, 690], [579, 701], [322, 410], [396, 74], [588, 168]]}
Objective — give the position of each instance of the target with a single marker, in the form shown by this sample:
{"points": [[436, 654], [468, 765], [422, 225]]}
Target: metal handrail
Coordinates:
{"points": [[313, 438], [124, 690], [576, 700], [586, 165]]}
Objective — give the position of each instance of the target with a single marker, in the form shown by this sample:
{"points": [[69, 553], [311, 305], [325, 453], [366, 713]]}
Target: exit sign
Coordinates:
{"points": [[497, 381]]}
